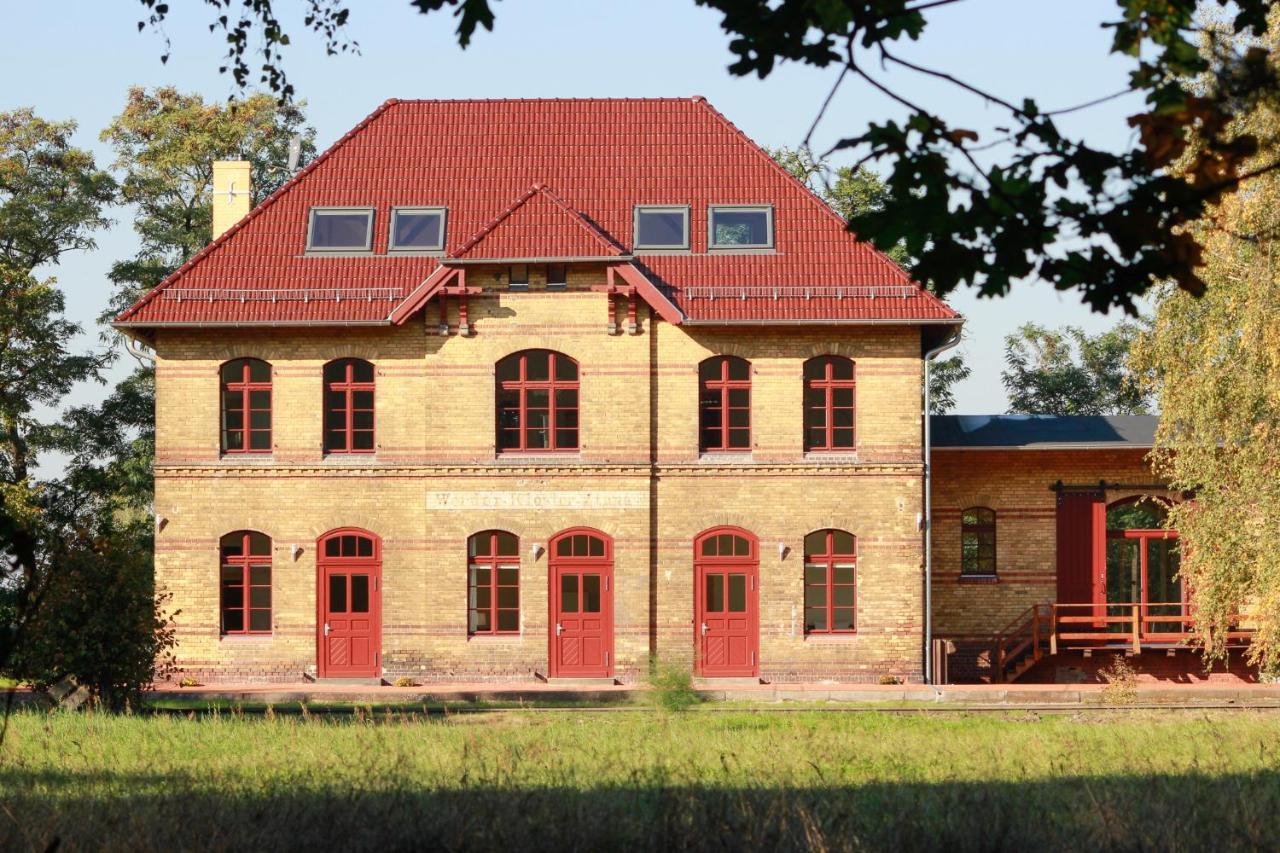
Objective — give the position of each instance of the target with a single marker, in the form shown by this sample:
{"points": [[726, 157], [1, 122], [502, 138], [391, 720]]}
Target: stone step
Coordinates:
{"points": [[583, 682]]}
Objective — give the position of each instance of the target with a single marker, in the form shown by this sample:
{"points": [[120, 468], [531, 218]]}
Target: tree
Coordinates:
{"points": [[1032, 202], [1067, 372], [850, 192], [1215, 364], [52, 197]]}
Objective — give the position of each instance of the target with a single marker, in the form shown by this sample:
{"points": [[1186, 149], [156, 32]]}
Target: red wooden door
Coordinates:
{"points": [[1081, 547], [350, 606], [726, 604], [581, 596]]}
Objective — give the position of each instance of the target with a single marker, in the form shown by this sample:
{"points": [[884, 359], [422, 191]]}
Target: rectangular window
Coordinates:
{"points": [[417, 229], [340, 229], [557, 275], [518, 275], [737, 227], [662, 228]]}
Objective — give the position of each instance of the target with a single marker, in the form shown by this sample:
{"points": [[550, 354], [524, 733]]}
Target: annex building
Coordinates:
{"points": [[506, 390]]}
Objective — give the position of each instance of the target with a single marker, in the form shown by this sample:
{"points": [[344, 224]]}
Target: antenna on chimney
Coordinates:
{"points": [[295, 153]]}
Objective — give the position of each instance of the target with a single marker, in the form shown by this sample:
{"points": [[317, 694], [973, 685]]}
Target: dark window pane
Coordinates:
{"points": [[232, 596], [509, 369], [232, 620], [815, 368], [479, 620], [741, 547], [567, 439], [715, 593], [362, 441], [740, 228], [590, 593], [260, 596], [564, 548], [568, 593], [816, 542], [335, 371], [709, 370], [362, 420], [842, 418], [480, 576], [842, 369], [233, 371], [815, 400], [815, 620], [843, 439], [508, 620], [260, 576], [260, 400], [709, 547], [259, 620], [814, 575], [332, 547], [843, 543], [566, 369], [565, 418], [417, 230], [567, 398], [740, 439], [482, 596], [737, 593], [337, 593], [359, 593], [843, 574], [508, 576], [508, 597], [842, 596], [842, 397], [536, 399], [340, 230], [595, 546], [361, 371], [739, 369], [739, 398], [815, 596], [519, 274], [508, 544], [842, 619], [739, 418], [537, 366], [661, 228], [362, 400], [260, 441], [480, 545], [259, 544], [557, 274], [260, 420]]}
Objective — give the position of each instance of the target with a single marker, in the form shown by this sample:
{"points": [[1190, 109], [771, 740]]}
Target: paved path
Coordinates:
{"points": [[1014, 695]]}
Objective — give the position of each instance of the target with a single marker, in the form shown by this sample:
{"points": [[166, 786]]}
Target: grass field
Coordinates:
{"points": [[527, 781]]}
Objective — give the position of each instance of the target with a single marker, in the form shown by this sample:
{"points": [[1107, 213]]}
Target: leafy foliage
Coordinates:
{"points": [[1215, 363], [850, 192], [1067, 372]]}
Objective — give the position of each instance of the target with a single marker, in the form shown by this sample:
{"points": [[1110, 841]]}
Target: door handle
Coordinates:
{"points": [[326, 629], [559, 629], [704, 629]]}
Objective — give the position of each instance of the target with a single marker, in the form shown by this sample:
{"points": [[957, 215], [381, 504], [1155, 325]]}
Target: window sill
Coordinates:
{"points": [[499, 639], [250, 639], [523, 457], [725, 457], [361, 458], [263, 457], [822, 639], [979, 579], [847, 457]]}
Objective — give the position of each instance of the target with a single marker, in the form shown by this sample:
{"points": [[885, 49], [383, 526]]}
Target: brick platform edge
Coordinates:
{"points": [[1013, 695]]}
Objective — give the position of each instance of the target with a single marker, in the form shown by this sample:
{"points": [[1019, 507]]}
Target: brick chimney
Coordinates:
{"points": [[231, 193]]}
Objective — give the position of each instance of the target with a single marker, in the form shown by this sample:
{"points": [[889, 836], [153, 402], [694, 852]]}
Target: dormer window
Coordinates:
{"points": [[740, 227], [340, 229], [518, 276], [557, 275], [417, 229], [662, 228]]}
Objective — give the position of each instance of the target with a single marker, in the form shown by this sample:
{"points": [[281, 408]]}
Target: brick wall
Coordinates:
{"points": [[435, 480]]}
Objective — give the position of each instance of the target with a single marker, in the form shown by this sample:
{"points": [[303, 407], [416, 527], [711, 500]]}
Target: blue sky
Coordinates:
{"points": [[75, 59]]}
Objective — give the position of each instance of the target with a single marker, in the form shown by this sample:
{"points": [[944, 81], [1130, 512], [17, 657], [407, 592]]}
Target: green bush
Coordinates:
{"points": [[672, 686]]}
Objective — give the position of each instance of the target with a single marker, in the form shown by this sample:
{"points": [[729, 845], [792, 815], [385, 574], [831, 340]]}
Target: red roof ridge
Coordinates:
{"points": [[222, 238], [544, 190], [899, 271]]}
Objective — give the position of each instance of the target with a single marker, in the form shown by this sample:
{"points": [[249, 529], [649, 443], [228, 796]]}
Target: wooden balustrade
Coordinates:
{"points": [[1047, 629]]}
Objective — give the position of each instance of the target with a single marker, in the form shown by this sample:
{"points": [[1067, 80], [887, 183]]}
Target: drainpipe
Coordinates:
{"points": [[951, 341], [138, 352]]}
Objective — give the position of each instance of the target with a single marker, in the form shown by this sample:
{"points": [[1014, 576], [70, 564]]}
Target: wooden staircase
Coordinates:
{"points": [[1022, 643]]}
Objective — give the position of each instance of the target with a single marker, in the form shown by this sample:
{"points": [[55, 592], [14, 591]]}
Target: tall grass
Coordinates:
{"points": [[696, 781]]}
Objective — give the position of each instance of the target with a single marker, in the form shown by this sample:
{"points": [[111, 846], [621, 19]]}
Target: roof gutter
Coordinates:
{"points": [[939, 321], [1073, 446], [951, 341], [548, 259], [239, 324]]}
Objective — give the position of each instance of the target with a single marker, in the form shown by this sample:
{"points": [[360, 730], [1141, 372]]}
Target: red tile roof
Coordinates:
{"points": [[576, 169]]}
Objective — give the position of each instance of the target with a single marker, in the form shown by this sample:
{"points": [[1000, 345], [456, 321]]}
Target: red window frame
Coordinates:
{"points": [[820, 572], [493, 563], [236, 574], [716, 410], [821, 417], [976, 531], [514, 415], [238, 391], [340, 407]]}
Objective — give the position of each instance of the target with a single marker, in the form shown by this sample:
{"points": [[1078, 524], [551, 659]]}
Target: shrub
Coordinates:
{"points": [[405, 681], [1122, 683], [672, 686]]}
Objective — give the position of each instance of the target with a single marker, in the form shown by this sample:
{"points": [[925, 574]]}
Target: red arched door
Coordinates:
{"points": [[349, 599], [726, 605], [581, 598]]}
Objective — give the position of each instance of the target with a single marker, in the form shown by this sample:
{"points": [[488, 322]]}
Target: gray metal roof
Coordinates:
{"points": [[1042, 432]]}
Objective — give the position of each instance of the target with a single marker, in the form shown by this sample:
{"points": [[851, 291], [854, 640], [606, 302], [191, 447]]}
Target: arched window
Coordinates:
{"points": [[724, 404], [246, 406], [725, 543], [245, 583], [493, 583], [830, 582], [978, 542], [537, 399], [348, 406], [829, 403]]}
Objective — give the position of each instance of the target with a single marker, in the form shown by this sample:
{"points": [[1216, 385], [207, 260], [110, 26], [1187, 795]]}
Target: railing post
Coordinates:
{"points": [[1137, 629], [997, 674], [1035, 633], [1053, 629]]}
